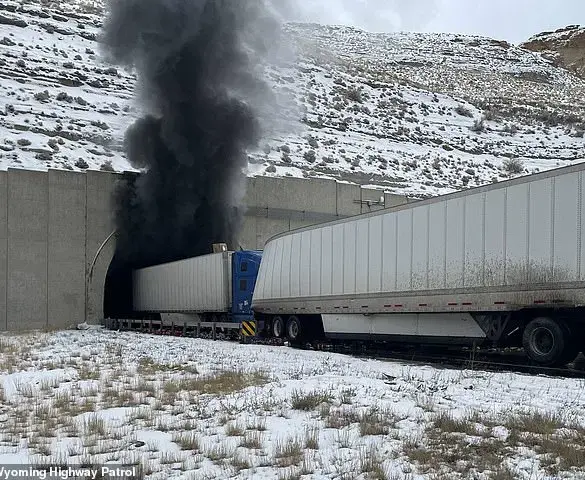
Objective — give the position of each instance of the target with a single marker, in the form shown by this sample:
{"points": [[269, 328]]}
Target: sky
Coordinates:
{"points": [[511, 20]]}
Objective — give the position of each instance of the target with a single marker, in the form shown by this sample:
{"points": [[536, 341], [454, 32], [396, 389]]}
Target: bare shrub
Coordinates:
{"points": [[513, 166], [478, 126], [463, 111], [354, 95], [309, 401]]}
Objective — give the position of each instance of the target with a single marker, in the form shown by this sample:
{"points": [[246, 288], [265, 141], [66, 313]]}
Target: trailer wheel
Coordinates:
{"points": [[547, 342], [293, 328], [277, 327]]}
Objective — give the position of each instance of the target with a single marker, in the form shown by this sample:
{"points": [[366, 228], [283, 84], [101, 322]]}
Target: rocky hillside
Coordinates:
{"points": [[565, 47], [415, 113]]}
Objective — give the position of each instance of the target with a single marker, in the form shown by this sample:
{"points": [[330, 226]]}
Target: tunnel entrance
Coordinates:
{"points": [[118, 290]]}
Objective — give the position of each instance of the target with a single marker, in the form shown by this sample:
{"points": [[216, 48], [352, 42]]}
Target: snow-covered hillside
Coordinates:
{"points": [[419, 114], [60, 105]]}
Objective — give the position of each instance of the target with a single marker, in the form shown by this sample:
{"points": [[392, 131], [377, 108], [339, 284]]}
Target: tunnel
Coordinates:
{"points": [[118, 290]]}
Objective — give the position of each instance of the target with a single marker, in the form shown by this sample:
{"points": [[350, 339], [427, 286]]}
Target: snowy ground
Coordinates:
{"points": [[192, 408]]}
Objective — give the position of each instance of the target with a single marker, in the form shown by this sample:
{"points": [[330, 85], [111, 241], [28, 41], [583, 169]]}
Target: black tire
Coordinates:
{"points": [[548, 342], [294, 331], [277, 327]]}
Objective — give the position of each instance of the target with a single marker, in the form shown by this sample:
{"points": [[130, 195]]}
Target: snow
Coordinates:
{"points": [[401, 133], [144, 428]]}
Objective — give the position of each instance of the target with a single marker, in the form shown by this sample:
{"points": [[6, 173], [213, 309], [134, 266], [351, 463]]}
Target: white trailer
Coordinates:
{"points": [[194, 286], [504, 263]]}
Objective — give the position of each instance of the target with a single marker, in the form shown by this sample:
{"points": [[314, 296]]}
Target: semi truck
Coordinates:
{"points": [[502, 264], [212, 290], [498, 265]]}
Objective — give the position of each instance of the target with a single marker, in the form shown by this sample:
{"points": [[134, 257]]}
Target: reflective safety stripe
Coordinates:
{"points": [[249, 329]]}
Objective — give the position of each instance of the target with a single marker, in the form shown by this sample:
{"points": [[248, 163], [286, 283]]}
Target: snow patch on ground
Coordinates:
{"points": [[194, 408]]}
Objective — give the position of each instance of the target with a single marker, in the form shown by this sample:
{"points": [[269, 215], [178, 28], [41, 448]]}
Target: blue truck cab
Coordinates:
{"points": [[245, 266]]}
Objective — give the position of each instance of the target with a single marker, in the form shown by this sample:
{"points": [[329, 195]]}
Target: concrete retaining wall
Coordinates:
{"points": [[53, 223]]}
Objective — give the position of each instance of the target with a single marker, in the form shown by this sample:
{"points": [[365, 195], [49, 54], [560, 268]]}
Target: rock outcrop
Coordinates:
{"points": [[565, 47]]}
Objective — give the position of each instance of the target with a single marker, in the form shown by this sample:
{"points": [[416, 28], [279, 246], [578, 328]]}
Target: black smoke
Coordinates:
{"points": [[198, 64]]}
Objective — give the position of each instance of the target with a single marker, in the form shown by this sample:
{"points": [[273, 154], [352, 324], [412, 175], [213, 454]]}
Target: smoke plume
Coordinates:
{"points": [[199, 65]]}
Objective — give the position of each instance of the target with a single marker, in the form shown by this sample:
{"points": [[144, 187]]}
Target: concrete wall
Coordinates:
{"points": [[99, 226], [3, 249], [284, 204], [52, 225], [66, 247], [28, 234]]}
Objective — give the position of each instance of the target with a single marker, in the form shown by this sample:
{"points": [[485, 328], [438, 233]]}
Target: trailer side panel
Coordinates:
{"points": [[195, 285], [501, 247]]}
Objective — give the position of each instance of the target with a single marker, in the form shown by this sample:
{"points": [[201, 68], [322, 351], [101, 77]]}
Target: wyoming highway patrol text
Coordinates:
{"points": [[7, 473]]}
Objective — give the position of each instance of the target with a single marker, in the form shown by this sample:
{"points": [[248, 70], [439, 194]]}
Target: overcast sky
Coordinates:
{"points": [[511, 20]]}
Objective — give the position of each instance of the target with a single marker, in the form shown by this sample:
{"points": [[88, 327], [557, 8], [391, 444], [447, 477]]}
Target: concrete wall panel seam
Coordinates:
{"points": [[7, 256], [48, 242]]}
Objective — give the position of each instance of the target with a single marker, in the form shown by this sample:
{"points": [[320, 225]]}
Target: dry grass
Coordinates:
{"points": [[63, 401], [502, 473], [310, 400], [445, 443], [224, 382], [88, 372], [344, 439], [25, 389], [288, 452], [311, 439], [258, 423], [376, 422], [234, 429], [10, 363], [559, 444], [426, 403], [341, 417], [346, 396], [289, 474], [240, 462], [187, 440], [94, 425], [252, 440], [117, 397], [543, 423], [148, 366], [442, 449], [567, 452], [446, 422], [8, 345], [217, 452], [144, 386], [143, 413], [171, 458], [371, 463]]}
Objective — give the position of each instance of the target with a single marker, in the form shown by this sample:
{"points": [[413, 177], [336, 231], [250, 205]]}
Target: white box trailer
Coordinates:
{"points": [[451, 268], [196, 285]]}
